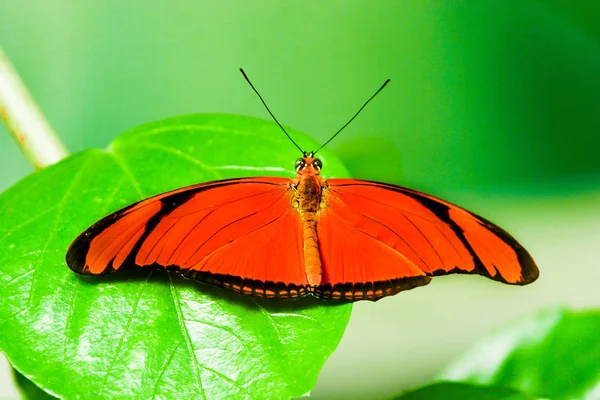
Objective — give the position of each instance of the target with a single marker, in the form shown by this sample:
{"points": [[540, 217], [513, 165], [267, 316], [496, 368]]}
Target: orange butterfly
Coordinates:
{"points": [[338, 239]]}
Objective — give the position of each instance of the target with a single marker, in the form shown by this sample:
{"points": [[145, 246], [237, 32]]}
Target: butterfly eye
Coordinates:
{"points": [[317, 164], [299, 164]]}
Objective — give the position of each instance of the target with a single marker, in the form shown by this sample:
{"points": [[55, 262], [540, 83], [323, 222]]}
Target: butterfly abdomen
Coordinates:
{"points": [[312, 256]]}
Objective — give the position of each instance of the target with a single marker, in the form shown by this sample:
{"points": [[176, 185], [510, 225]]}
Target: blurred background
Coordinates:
{"points": [[493, 104]]}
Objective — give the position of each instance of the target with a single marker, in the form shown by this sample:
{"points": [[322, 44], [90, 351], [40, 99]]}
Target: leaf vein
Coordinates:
{"points": [[125, 331], [60, 206], [163, 368], [129, 175], [186, 336], [16, 279], [179, 154], [33, 219]]}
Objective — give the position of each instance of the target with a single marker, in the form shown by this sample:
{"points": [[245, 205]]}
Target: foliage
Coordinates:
{"points": [[552, 354]]}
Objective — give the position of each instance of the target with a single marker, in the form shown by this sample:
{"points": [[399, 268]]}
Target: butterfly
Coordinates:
{"points": [[281, 238]]}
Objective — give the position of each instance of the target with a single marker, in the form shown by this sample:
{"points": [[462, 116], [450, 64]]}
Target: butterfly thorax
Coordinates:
{"points": [[308, 184], [309, 194]]}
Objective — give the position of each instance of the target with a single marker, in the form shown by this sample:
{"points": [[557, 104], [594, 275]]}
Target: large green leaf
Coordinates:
{"points": [[553, 354], [157, 334], [462, 391]]}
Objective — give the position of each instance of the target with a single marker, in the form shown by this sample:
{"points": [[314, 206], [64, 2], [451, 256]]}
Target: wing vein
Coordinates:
{"points": [[231, 224], [239, 237], [397, 235], [379, 241], [160, 239], [427, 240], [452, 244], [186, 236], [401, 210]]}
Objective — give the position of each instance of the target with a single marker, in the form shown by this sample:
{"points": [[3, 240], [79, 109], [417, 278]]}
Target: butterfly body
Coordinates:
{"points": [[307, 190]]}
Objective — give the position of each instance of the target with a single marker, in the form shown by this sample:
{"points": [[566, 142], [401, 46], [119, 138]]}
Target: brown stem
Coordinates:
{"points": [[25, 120]]}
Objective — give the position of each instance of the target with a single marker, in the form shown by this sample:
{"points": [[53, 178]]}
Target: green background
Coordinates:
{"points": [[493, 104]]}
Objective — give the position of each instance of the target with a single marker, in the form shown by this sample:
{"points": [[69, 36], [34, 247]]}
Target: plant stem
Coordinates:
{"points": [[25, 120]]}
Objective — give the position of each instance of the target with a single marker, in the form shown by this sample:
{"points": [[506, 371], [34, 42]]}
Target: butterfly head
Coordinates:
{"points": [[309, 164]]}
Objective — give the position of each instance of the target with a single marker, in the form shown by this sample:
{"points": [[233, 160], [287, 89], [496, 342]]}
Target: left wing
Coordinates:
{"points": [[241, 234]]}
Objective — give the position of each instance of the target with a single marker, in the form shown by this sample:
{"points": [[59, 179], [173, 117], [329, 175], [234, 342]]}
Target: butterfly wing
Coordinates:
{"points": [[378, 239], [240, 234]]}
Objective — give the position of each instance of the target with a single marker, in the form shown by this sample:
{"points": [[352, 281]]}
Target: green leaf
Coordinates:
{"points": [[157, 335], [553, 354], [462, 391], [28, 389]]}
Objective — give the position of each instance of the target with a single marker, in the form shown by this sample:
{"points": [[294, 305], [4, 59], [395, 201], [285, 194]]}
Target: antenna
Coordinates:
{"points": [[355, 115], [267, 107]]}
